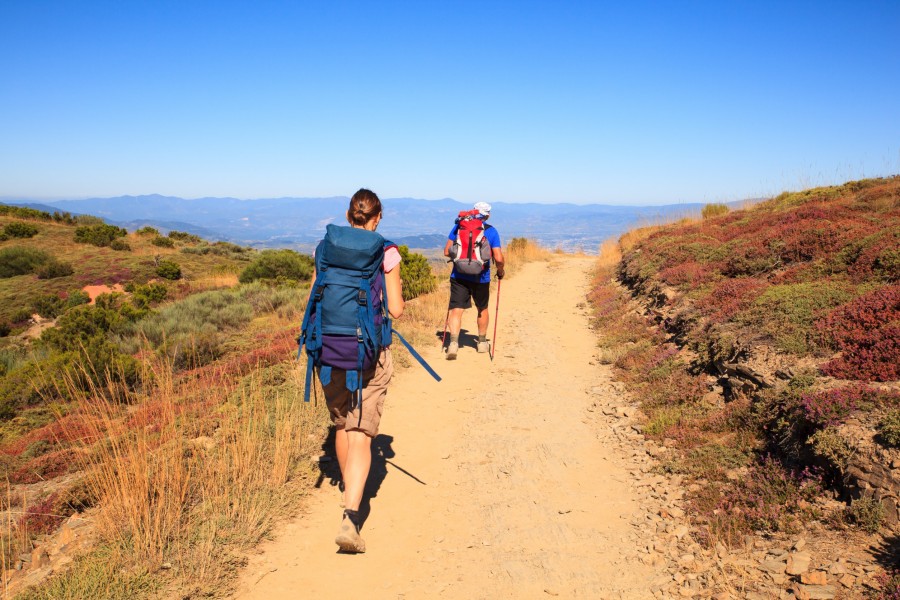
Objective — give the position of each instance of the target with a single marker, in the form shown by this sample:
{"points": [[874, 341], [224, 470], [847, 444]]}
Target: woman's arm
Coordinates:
{"points": [[394, 287]]}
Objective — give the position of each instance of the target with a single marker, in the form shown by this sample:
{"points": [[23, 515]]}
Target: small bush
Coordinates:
{"points": [[49, 306], [17, 260], [120, 245], [168, 269], [182, 236], [415, 272], [5, 330], [19, 229], [272, 264], [163, 242], [714, 210], [866, 513], [147, 231], [867, 332], [889, 429], [788, 313], [53, 269], [99, 235]]}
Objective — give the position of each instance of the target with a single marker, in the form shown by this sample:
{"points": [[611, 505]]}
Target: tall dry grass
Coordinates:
{"points": [[192, 472]]}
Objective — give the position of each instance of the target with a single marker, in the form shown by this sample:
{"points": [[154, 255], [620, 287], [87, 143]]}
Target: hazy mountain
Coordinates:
{"points": [[300, 222]]}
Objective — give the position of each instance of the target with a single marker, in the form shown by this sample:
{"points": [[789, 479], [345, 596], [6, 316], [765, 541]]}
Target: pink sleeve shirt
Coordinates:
{"points": [[391, 258]]}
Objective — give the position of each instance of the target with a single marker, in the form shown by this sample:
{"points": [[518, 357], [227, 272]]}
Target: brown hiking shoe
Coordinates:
{"points": [[348, 538], [452, 350], [484, 347]]}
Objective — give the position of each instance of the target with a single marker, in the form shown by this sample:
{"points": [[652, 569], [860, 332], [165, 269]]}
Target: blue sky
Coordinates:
{"points": [[587, 102]]}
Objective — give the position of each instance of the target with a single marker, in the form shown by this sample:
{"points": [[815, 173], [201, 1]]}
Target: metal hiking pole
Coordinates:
{"points": [[496, 316]]}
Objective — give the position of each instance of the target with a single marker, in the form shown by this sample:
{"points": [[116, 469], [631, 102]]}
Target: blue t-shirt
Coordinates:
{"points": [[493, 239]]}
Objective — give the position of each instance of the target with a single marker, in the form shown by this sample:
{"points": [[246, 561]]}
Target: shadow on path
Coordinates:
{"points": [[381, 453]]}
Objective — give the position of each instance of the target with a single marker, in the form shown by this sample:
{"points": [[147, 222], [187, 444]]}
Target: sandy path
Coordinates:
{"points": [[496, 483]]}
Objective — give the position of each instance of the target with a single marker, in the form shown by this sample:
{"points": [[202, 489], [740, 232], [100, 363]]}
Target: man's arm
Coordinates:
{"points": [[497, 255], [447, 247]]}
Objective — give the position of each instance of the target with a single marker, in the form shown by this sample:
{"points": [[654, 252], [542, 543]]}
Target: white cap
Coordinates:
{"points": [[483, 207]]}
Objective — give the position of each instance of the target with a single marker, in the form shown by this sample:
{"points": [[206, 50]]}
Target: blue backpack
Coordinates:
{"points": [[347, 323]]}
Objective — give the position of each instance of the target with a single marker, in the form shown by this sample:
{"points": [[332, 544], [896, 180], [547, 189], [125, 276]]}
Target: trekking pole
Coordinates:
{"points": [[496, 316]]}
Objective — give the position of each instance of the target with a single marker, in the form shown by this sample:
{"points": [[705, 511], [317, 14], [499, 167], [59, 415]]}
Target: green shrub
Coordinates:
{"points": [[19, 229], [787, 313], [147, 231], [415, 272], [274, 264], [21, 261], [168, 269], [889, 429], [5, 329], [120, 245], [54, 268], [182, 236], [21, 315], [163, 242], [866, 513], [714, 210], [99, 235], [49, 306]]}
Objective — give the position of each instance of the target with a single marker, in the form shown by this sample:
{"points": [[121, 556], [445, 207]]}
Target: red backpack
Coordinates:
{"points": [[471, 250]]}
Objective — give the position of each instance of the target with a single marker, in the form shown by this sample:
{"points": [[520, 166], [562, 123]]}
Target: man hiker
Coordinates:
{"points": [[466, 287]]}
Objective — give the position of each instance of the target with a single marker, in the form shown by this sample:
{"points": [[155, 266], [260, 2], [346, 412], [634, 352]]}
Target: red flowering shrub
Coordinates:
{"points": [[689, 274], [45, 516], [729, 297], [832, 407], [867, 332], [47, 466]]}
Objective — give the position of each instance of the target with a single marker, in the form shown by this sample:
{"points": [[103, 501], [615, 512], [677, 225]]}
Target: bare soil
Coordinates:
{"points": [[501, 481]]}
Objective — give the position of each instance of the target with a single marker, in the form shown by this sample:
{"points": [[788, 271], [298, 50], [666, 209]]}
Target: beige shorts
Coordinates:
{"points": [[338, 397]]}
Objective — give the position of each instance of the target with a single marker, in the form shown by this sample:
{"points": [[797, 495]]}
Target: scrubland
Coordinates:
{"points": [[764, 347]]}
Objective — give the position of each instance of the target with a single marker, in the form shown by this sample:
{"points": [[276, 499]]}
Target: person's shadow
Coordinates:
{"points": [[465, 338], [381, 451]]}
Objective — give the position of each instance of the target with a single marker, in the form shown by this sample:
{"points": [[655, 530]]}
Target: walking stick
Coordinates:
{"points": [[496, 316]]}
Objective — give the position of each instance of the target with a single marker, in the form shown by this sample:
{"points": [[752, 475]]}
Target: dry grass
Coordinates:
{"points": [[193, 473]]}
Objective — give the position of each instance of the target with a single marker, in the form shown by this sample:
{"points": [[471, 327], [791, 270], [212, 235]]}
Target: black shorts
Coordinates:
{"points": [[462, 292]]}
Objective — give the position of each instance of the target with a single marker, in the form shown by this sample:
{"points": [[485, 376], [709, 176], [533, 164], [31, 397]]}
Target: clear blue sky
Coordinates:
{"points": [[587, 102]]}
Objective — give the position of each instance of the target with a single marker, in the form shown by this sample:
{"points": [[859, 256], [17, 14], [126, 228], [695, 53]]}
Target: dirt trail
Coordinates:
{"points": [[498, 482]]}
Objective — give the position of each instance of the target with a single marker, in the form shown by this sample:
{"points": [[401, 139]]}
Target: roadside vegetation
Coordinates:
{"points": [[764, 347], [169, 409]]}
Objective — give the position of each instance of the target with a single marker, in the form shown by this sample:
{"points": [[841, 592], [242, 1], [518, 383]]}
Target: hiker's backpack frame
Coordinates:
{"points": [[471, 251], [348, 309]]}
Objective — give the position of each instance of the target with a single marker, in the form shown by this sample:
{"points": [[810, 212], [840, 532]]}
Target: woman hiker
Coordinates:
{"points": [[357, 426]]}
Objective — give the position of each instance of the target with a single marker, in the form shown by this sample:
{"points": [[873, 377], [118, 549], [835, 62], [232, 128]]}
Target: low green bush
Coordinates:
{"points": [[163, 242], [120, 245], [99, 235], [147, 231], [18, 260], [416, 274], [272, 264], [889, 429], [53, 269], [168, 269], [18, 229], [866, 513], [182, 236]]}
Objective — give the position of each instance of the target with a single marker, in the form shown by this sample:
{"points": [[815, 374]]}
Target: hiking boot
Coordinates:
{"points": [[452, 350], [484, 347], [348, 538]]}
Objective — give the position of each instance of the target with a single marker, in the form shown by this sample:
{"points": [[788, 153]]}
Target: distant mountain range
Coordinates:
{"points": [[422, 224]]}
